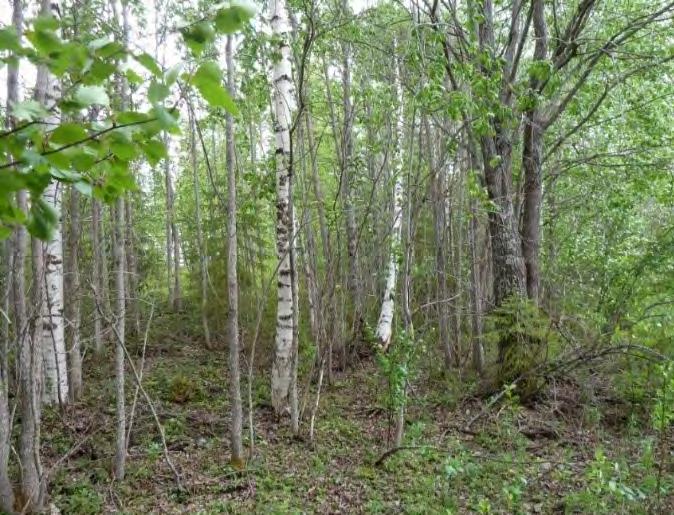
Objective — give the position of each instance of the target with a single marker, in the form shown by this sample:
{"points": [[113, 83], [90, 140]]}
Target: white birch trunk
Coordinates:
{"points": [[283, 103], [385, 323], [53, 336]]}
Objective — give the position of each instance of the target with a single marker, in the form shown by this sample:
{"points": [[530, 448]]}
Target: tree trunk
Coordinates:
{"points": [[15, 252], [53, 340], [283, 101], [73, 316], [203, 265], [98, 273], [119, 321], [236, 424], [385, 324], [508, 265], [30, 379], [177, 293], [475, 291], [169, 228], [532, 157], [439, 192], [132, 267], [506, 244], [346, 158], [119, 464]]}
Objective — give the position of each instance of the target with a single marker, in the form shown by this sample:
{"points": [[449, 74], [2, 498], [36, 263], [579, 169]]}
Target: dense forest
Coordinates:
{"points": [[307, 256]]}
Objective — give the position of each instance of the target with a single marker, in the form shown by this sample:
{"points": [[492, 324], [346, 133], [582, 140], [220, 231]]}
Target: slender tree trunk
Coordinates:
{"points": [[132, 267], [475, 292], [15, 252], [54, 348], [532, 157], [119, 321], [385, 324], [169, 229], [283, 102], [30, 381], [119, 464], [98, 273], [203, 265], [438, 195], [6, 494], [346, 158], [236, 424], [73, 316], [177, 293]]}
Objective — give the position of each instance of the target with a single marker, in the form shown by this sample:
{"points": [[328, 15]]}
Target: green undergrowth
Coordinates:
{"points": [[512, 459]]}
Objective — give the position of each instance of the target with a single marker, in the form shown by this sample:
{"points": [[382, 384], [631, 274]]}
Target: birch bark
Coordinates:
{"points": [[53, 336], [283, 104], [385, 323]]}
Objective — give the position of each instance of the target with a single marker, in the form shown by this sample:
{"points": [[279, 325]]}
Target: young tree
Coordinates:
{"points": [[74, 308], [385, 324], [283, 103], [55, 364], [236, 409]]}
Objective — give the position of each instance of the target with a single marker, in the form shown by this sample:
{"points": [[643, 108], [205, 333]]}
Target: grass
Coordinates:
{"points": [[555, 457]]}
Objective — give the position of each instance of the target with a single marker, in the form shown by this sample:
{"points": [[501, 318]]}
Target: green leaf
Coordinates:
{"points": [[43, 36], [157, 92], [99, 72], [42, 220], [133, 77], [166, 120], [92, 95], [208, 81], [82, 161], [65, 175], [149, 63], [67, 133], [84, 187], [172, 74], [154, 150], [121, 146], [197, 36], [230, 19], [9, 40], [29, 111]]}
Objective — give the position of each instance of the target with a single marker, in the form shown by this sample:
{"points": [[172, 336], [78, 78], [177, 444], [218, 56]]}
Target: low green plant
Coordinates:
{"points": [[523, 334], [80, 498]]}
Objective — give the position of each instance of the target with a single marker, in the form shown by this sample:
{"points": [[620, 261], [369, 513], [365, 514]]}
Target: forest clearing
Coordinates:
{"points": [[351, 256]]}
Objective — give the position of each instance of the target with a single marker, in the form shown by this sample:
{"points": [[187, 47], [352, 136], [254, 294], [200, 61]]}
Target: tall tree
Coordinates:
{"points": [[203, 263], [283, 103], [74, 308], [236, 409], [385, 324], [15, 290], [55, 361]]}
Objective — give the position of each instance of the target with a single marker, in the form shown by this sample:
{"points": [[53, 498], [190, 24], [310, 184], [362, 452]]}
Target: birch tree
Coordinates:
{"points": [[53, 340], [385, 324], [283, 104]]}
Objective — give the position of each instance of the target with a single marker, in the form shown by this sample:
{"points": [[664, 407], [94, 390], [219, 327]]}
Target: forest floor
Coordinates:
{"points": [[569, 453]]}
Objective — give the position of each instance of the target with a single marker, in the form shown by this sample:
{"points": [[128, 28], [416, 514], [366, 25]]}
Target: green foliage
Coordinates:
{"points": [[663, 410], [80, 498], [103, 152], [524, 335], [208, 81], [396, 366]]}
